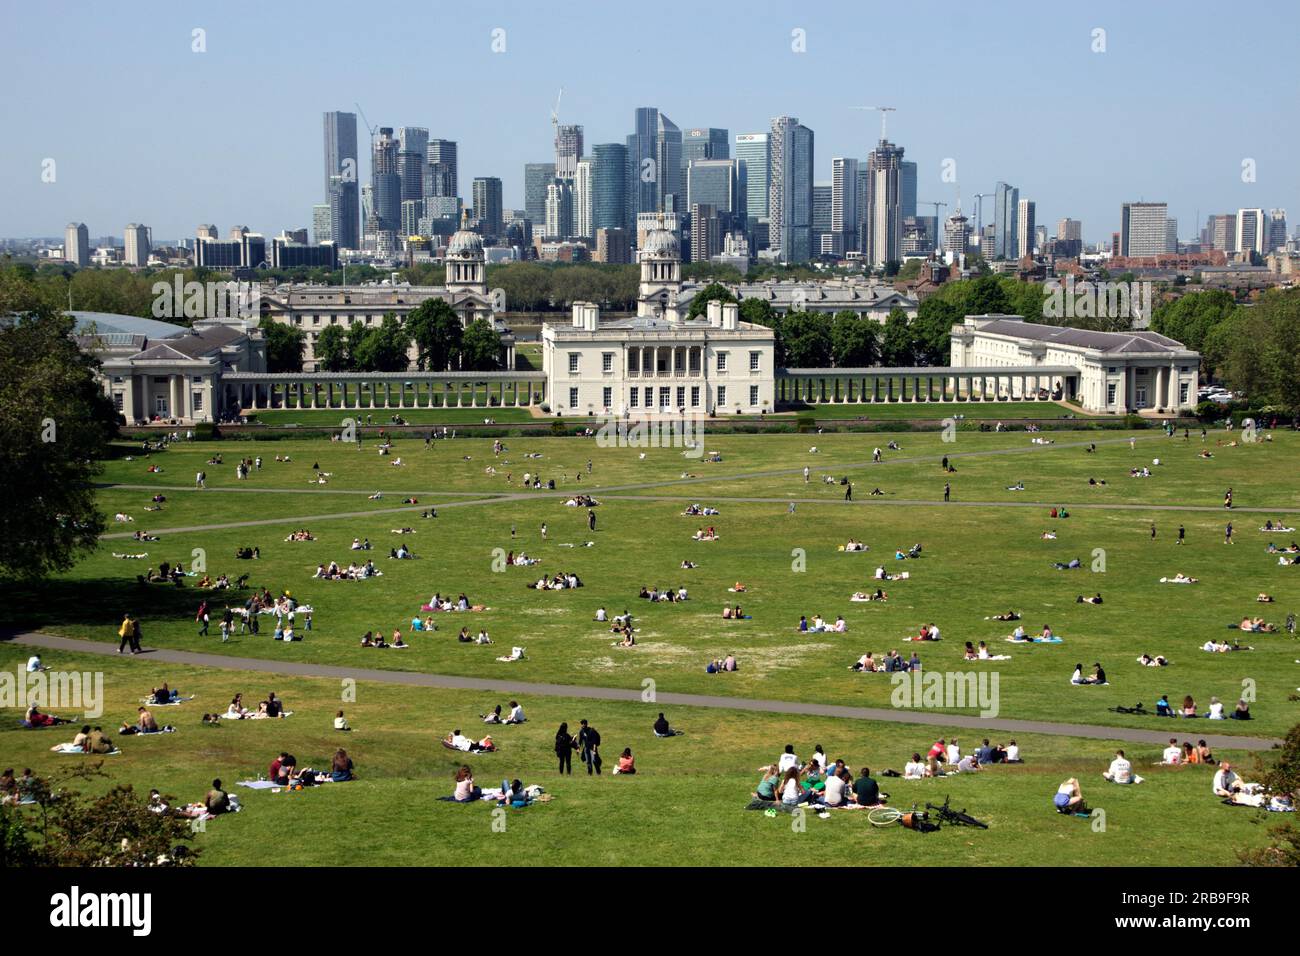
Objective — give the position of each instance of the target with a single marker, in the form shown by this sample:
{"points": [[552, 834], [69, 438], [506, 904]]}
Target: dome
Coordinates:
{"points": [[465, 245], [661, 244]]}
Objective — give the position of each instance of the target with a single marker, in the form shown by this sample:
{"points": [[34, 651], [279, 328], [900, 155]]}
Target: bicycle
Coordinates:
{"points": [[955, 817]]}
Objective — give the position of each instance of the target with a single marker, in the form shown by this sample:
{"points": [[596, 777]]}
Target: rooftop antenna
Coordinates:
{"points": [[884, 112]]}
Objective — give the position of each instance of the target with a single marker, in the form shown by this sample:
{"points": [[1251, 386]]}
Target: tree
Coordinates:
{"points": [[332, 349], [932, 331], [118, 828], [527, 285], [807, 338], [284, 345], [55, 423], [700, 301], [435, 328], [1281, 776], [855, 340], [896, 343], [384, 347], [480, 347], [759, 312], [1190, 318], [986, 296]]}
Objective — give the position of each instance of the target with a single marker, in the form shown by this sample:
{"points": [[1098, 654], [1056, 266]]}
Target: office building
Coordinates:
{"points": [[654, 164], [844, 204], [341, 179], [287, 254], [412, 156], [1276, 235], [488, 204], [559, 210], [755, 160], [1251, 231], [1006, 212], [1143, 230], [704, 143], [537, 177], [584, 199], [322, 228], [707, 230], [76, 244], [821, 218], [613, 244], [441, 153], [136, 245], [907, 188], [386, 182], [790, 189], [609, 203], [718, 183]]}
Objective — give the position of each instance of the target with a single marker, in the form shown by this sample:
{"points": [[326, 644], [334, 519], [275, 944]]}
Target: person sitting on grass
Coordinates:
{"points": [[1069, 798], [1226, 783], [516, 715], [1173, 754], [916, 768], [217, 800], [1241, 711], [792, 791], [341, 767], [663, 729], [466, 791], [1120, 770], [341, 722], [767, 784], [866, 792], [626, 763], [1189, 707]]}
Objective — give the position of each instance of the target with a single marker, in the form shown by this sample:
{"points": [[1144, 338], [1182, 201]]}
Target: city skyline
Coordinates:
{"points": [[1082, 163]]}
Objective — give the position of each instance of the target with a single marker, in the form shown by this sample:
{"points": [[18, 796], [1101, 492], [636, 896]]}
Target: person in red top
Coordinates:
{"points": [[274, 775], [939, 751]]}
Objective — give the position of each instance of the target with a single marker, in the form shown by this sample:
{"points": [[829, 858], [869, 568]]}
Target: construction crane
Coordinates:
{"points": [[884, 112], [979, 213], [555, 113], [938, 223]]}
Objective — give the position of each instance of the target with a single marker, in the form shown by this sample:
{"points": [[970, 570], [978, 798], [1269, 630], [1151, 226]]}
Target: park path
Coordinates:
{"points": [[620, 493], [508, 687]]}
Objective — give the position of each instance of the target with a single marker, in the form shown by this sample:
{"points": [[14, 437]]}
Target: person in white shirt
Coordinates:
{"points": [[934, 633], [954, 752], [788, 759], [34, 664], [1173, 753], [818, 761], [833, 795], [1216, 709], [1121, 771], [915, 768], [516, 713], [460, 741], [601, 615], [1226, 781], [968, 764], [791, 792], [1013, 753]]}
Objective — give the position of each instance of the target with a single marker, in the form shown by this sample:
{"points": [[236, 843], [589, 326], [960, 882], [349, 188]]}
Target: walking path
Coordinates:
{"points": [[503, 687]]}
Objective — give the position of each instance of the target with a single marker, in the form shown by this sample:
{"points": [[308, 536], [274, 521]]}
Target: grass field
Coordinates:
{"points": [[983, 554]]}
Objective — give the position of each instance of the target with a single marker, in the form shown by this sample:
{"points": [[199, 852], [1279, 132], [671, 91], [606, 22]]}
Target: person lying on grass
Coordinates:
{"points": [[458, 741], [1146, 660], [1095, 599], [35, 718]]}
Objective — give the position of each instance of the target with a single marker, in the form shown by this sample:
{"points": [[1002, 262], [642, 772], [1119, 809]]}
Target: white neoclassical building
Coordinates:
{"points": [[313, 308], [1118, 372], [659, 361]]}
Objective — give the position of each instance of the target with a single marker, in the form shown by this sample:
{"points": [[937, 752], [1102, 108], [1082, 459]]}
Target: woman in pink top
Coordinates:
{"points": [[626, 764]]}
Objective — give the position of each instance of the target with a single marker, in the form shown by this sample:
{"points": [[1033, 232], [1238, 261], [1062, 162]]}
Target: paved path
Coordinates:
{"points": [[505, 686]]}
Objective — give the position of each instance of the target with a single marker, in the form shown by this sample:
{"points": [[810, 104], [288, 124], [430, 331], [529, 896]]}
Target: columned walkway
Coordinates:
{"points": [[252, 391], [819, 386]]}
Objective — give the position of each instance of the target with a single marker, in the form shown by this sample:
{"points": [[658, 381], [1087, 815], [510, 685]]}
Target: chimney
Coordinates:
{"points": [[577, 314], [714, 313], [730, 315]]}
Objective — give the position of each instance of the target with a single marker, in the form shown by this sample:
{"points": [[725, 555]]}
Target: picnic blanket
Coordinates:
{"points": [[151, 733], [174, 702], [72, 749], [230, 716], [257, 784], [1054, 639]]}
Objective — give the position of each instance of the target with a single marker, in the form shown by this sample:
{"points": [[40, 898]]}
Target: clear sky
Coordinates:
{"points": [[143, 129]]}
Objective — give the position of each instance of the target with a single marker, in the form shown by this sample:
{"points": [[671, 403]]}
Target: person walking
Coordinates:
{"points": [[1153, 531], [848, 491], [589, 742], [543, 530], [1182, 533], [947, 491], [591, 520], [564, 749], [124, 632], [202, 618], [135, 635], [1227, 534], [806, 473]]}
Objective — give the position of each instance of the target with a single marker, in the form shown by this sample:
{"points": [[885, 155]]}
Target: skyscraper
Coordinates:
{"points": [[584, 199], [320, 223], [790, 191], [883, 219], [559, 210], [717, 183], [443, 172], [1142, 230], [487, 204], [386, 181], [136, 245], [537, 177], [1223, 233], [341, 179], [1252, 231], [907, 188], [1276, 235], [704, 143], [76, 244], [609, 187], [1006, 210], [668, 152], [956, 235], [844, 204], [412, 155], [1026, 229], [654, 164], [568, 150], [753, 155]]}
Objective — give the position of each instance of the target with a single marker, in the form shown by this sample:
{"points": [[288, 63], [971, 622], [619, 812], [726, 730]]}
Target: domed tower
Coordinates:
{"points": [[465, 261], [661, 274]]}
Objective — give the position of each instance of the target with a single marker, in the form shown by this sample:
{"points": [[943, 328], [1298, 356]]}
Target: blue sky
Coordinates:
{"points": [[143, 129]]}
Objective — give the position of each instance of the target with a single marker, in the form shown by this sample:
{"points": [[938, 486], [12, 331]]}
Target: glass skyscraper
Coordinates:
{"points": [[609, 186], [1006, 234], [341, 182], [790, 192], [752, 154]]}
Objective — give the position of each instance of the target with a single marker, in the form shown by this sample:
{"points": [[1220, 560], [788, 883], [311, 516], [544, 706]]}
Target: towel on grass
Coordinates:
{"points": [[174, 702], [71, 749], [257, 784]]}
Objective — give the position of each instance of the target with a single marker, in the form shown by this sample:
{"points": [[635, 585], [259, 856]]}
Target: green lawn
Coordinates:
{"points": [[685, 803], [937, 411], [982, 555]]}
